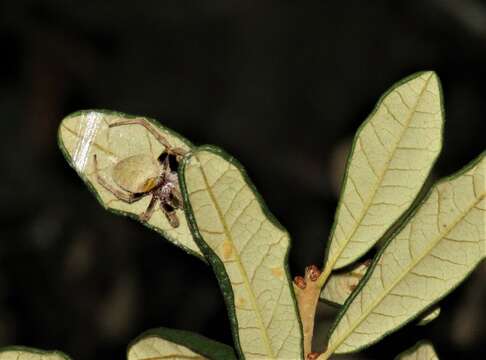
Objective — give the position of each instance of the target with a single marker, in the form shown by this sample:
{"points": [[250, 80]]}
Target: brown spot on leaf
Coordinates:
{"points": [[227, 249], [240, 302], [277, 272]]}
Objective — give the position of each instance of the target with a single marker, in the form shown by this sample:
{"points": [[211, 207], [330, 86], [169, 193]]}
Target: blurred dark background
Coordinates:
{"points": [[281, 85]]}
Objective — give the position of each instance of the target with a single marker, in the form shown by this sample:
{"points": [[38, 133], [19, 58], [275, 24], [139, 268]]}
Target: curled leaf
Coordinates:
{"points": [[423, 350], [340, 285], [431, 316], [393, 153], [437, 248], [163, 343], [248, 251], [86, 134], [25, 353]]}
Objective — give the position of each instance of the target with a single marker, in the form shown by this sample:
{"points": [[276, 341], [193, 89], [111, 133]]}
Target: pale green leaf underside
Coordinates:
{"points": [[24, 353], [86, 133], [154, 347], [440, 245], [164, 343], [422, 351], [392, 155], [340, 285], [251, 250]]}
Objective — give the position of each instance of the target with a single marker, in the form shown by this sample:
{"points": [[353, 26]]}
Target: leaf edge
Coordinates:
{"points": [[216, 263], [35, 351], [415, 347], [366, 277], [193, 341], [422, 191]]}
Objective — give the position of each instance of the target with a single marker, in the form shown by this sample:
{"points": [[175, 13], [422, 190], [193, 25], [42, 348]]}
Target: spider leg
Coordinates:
{"points": [[160, 138], [166, 164], [147, 214], [120, 195], [176, 199], [178, 152], [170, 214]]}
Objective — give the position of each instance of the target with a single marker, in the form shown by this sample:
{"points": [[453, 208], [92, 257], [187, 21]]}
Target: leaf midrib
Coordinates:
{"points": [[94, 143], [382, 175], [405, 273], [243, 272]]}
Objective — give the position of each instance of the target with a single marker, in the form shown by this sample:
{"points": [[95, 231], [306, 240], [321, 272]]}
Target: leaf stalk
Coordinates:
{"points": [[307, 292]]}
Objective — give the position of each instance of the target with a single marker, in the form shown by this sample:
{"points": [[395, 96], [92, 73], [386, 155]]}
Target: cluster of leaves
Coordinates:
{"points": [[428, 241]]}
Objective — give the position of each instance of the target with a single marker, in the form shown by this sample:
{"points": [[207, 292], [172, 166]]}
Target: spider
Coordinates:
{"points": [[141, 175]]}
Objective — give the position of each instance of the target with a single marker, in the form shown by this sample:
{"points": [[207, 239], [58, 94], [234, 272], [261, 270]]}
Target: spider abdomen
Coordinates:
{"points": [[137, 173]]}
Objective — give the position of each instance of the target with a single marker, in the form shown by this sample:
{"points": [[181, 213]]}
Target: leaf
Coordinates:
{"points": [[86, 133], [25, 353], [340, 285], [423, 350], [163, 343], [431, 316], [392, 155], [440, 245], [248, 250]]}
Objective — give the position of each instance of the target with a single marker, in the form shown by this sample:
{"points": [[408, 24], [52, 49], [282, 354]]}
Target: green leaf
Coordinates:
{"points": [[163, 343], [431, 316], [392, 155], [248, 250], [87, 133], [26, 353], [340, 285], [440, 245], [423, 350]]}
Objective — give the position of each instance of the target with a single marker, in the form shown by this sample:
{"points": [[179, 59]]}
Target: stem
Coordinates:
{"points": [[307, 298], [307, 291], [325, 355], [324, 275]]}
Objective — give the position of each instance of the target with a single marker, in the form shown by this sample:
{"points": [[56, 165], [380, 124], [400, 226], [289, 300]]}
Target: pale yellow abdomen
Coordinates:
{"points": [[137, 173]]}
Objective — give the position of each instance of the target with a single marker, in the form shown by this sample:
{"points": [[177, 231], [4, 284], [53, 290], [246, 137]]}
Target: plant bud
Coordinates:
{"points": [[313, 355], [299, 281], [312, 272]]}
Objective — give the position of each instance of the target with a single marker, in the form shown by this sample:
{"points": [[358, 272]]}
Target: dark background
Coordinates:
{"points": [[281, 85]]}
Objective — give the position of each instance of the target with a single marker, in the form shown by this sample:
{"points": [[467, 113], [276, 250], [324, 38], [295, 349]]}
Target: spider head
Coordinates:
{"points": [[171, 160]]}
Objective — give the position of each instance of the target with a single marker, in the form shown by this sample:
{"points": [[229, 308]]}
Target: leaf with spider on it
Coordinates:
{"points": [[130, 164]]}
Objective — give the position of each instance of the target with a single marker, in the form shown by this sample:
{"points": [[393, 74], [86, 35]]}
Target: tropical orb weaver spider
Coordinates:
{"points": [[141, 175]]}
